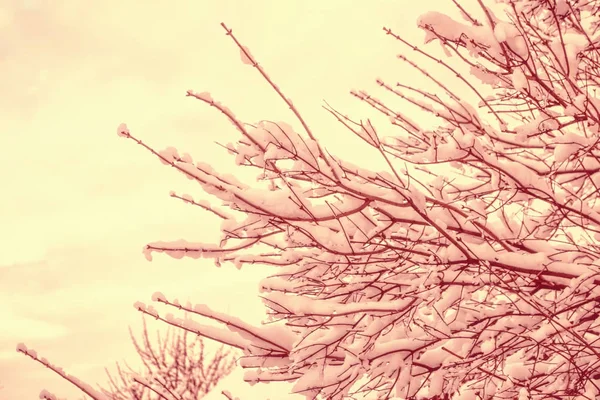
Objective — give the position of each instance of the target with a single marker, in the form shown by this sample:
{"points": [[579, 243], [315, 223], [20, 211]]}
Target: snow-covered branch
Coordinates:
{"points": [[468, 268]]}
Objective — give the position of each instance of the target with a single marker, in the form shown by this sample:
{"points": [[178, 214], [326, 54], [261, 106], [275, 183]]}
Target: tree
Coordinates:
{"points": [[177, 369], [468, 269]]}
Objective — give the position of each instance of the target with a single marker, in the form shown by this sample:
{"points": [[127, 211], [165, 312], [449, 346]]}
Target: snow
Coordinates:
{"points": [[450, 29], [218, 334], [158, 296], [519, 80], [307, 306], [138, 305], [150, 310], [488, 346], [123, 131], [563, 151], [168, 155], [246, 56], [44, 394], [84, 387], [504, 31], [275, 337], [435, 357], [202, 96], [518, 371], [341, 246], [466, 392]]}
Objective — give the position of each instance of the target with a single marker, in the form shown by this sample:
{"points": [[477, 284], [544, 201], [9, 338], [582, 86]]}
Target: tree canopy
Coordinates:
{"points": [[466, 270]]}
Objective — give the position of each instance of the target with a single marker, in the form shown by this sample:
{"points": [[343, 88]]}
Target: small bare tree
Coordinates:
{"points": [[175, 369]]}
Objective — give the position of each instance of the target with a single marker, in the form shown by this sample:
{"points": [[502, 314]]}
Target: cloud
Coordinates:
{"points": [[18, 328]]}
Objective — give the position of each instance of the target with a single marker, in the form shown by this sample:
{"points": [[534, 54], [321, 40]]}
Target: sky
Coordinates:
{"points": [[79, 203]]}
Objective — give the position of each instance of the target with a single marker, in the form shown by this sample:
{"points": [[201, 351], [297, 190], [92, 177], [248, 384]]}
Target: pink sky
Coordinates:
{"points": [[79, 202]]}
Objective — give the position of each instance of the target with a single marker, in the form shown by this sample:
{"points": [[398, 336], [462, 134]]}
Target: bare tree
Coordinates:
{"points": [[176, 368], [468, 269]]}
